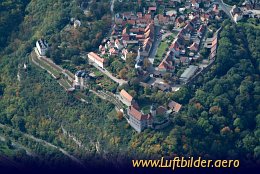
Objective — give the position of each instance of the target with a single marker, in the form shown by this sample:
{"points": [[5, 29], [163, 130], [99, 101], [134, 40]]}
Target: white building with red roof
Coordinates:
{"points": [[126, 98], [138, 120], [94, 58]]}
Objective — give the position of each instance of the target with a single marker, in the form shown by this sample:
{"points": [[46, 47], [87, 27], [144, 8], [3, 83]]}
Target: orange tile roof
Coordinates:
{"points": [[95, 56], [165, 65], [126, 95], [215, 41], [175, 106], [138, 115]]}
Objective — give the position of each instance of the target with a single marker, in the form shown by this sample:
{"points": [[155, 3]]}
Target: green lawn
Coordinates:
{"points": [[161, 49], [47, 67], [107, 83], [146, 109], [65, 83], [98, 73], [160, 10]]}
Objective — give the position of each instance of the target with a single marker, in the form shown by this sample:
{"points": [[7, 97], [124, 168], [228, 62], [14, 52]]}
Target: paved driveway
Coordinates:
{"points": [[156, 43], [107, 73]]}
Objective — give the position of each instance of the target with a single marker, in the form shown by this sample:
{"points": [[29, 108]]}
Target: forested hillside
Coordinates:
{"points": [[220, 116], [11, 14]]}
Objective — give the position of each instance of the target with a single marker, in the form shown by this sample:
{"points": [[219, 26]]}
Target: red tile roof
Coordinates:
{"points": [[95, 56], [194, 47], [138, 115], [174, 106], [132, 22], [152, 9], [165, 65]]}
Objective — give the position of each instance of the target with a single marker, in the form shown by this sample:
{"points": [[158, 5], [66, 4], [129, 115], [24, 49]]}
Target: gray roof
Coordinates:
{"points": [[189, 72], [43, 43], [81, 74]]}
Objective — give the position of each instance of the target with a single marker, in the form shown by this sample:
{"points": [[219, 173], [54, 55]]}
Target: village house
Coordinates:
{"points": [[126, 98], [94, 58], [236, 13], [201, 30], [166, 65], [194, 47], [207, 3], [113, 51], [138, 120], [164, 87], [188, 73], [152, 9], [187, 5], [81, 79], [179, 22], [174, 106], [155, 118], [216, 8], [118, 44], [214, 45], [163, 20]]}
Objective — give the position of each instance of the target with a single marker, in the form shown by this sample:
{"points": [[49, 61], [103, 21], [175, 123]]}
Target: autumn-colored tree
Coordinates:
{"points": [[122, 73], [120, 115]]}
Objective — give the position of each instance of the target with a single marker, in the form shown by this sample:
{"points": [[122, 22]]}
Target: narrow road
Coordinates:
{"points": [[107, 73], [45, 143], [226, 8], [156, 43], [103, 95]]}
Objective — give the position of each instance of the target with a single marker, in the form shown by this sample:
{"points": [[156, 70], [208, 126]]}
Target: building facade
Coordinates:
{"points": [[138, 120], [42, 47], [94, 58]]}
